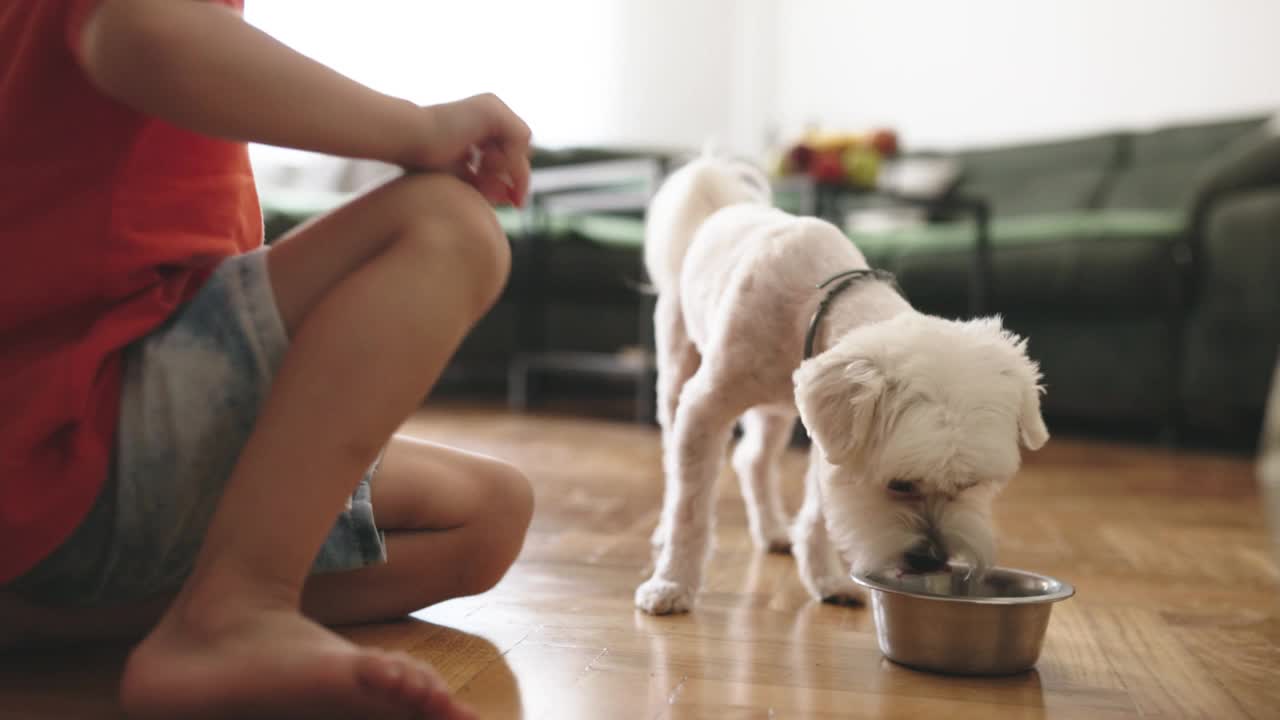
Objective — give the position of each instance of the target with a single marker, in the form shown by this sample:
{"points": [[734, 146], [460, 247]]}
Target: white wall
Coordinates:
{"points": [[688, 72], [680, 72], [672, 61], [658, 73], [989, 71], [554, 61]]}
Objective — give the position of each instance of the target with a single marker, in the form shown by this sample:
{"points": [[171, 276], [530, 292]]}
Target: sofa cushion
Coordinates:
{"points": [[1162, 169], [1040, 178], [1123, 260]]}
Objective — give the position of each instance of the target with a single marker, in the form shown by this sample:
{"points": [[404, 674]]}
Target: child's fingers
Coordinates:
{"points": [[493, 189], [513, 171], [515, 140], [494, 162], [514, 133], [484, 168], [519, 170]]}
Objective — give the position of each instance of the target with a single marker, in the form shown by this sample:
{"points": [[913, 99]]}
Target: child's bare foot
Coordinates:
{"points": [[275, 664]]}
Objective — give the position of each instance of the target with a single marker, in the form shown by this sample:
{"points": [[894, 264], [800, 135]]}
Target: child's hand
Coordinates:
{"points": [[480, 141]]}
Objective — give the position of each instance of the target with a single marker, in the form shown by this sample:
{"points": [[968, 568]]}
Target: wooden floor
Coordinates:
{"points": [[1177, 612]]}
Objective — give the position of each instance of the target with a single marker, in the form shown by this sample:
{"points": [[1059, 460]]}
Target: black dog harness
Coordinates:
{"points": [[843, 281]]}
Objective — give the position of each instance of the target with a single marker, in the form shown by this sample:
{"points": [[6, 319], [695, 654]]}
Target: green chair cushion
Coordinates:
{"points": [[614, 231], [286, 208], [593, 255], [1062, 260]]}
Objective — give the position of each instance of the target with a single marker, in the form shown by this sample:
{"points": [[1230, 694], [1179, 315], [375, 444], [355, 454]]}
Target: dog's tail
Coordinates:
{"points": [[686, 199]]}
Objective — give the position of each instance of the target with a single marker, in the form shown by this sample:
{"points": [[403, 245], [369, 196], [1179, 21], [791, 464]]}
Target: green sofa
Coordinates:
{"points": [[1142, 266]]}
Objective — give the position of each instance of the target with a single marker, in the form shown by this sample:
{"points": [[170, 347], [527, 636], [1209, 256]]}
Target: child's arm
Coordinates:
{"points": [[200, 66]]}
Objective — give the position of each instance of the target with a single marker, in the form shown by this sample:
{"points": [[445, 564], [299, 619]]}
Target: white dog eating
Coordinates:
{"points": [[915, 420]]}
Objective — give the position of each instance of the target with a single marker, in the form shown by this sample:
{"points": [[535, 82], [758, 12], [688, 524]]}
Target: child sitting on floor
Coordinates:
{"points": [[196, 432]]}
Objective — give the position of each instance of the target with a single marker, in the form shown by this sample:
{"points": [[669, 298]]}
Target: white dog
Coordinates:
{"points": [[915, 419]]}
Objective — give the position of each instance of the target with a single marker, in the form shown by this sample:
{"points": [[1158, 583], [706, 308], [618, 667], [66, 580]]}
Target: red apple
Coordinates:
{"points": [[798, 159], [885, 142], [827, 167]]}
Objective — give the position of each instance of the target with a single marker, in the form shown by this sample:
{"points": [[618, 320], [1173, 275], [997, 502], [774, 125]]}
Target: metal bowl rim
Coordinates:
{"points": [[1065, 590]]}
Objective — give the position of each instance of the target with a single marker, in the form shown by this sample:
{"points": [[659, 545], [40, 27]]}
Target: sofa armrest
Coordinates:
{"points": [[1253, 162], [1242, 244], [1232, 335]]}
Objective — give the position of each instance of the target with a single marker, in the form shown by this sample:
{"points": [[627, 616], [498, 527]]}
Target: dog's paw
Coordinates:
{"points": [[663, 597], [776, 546], [835, 590], [774, 538], [778, 542]]}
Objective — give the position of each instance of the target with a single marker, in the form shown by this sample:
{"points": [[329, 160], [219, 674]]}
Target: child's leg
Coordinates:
{"points": [[376, 297], [454, 523], [436, 549]]}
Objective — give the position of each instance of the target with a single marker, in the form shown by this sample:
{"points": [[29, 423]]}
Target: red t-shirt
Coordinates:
{"points": [[109, 220]]}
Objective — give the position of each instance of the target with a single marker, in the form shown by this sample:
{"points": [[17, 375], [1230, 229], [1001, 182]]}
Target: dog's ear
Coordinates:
{"points": [[1030, 423], [1031, 429], [840, 397]]}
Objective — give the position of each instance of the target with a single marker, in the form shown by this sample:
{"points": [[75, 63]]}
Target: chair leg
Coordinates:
{"points": [[1171, 432], [518, 384], [646, 385], [645, 389]]}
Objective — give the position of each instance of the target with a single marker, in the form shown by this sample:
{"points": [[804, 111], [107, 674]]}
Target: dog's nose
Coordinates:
{"points": [[925, 557]]}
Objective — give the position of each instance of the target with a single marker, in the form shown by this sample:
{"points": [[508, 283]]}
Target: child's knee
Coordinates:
{"points": [[509, 503], [451, 226], [509, 508], [517, 493]]}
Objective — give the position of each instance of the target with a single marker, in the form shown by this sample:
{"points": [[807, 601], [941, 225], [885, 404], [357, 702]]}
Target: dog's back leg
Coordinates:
{"points": [[678, 360], [677, 357], [765, 434], [703, 422]]}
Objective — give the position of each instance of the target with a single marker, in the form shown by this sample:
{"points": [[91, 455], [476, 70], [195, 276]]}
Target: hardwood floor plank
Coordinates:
{"points": [[793, 701], [1162, 676], [531, 681], [1245, 663]]}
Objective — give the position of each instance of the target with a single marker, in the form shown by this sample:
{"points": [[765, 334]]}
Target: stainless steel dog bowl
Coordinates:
{"points": [[962, 622]]}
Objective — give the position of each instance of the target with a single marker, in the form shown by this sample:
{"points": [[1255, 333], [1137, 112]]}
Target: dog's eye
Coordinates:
{"points": [[903, 489]]}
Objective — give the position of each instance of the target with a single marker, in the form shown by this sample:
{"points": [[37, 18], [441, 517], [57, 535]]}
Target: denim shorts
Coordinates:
{"points": [[191, 394]]}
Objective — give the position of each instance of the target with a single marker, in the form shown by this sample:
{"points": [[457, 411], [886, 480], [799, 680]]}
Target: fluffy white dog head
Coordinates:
{"points": [[921, 418]]}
